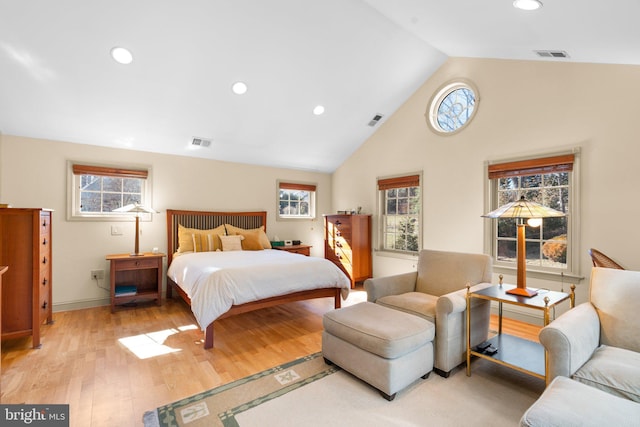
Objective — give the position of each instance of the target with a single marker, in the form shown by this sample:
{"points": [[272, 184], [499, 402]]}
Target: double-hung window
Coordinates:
{"points": [[400, 201], [549, 181], [296, 200], [96, 191]]}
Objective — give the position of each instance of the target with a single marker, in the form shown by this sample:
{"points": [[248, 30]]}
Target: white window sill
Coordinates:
{"points": [[538, 274]]}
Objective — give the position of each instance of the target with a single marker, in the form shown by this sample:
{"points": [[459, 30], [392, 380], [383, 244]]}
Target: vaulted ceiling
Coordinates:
{"points": [[356, 58]]}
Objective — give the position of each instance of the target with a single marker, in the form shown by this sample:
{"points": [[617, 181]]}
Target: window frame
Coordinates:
{"points": [[312, 188], [433, 108], [75, 169], [538, 164], [397, 181]]}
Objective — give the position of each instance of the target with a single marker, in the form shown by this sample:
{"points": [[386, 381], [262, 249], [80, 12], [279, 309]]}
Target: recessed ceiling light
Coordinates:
{"points": [[318, 110], [121, 55], [527, 4], [239, 88]]}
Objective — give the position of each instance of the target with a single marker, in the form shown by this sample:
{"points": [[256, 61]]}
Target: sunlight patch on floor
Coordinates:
{"points": [[145, 346], [355, 296]]}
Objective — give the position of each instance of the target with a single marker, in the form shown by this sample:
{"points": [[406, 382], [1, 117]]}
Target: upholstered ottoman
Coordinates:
{"points": [[384, 347], [566, 403]]}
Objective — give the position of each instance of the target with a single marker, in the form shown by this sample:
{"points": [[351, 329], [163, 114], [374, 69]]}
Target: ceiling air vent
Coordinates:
{"points": [[375, 119], [200, 142], [552, 53]]}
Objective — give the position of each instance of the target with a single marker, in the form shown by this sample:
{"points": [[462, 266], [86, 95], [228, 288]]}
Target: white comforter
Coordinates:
{"points": [[217, 280]]}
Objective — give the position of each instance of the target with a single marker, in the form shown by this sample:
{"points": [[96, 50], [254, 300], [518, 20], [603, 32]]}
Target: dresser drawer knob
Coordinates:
{"points": [[44, 241], [44, 282], [338, 222], [338, 233], [44, 223], [338, 255], [338, 244], [44, 260], [44, 305]]}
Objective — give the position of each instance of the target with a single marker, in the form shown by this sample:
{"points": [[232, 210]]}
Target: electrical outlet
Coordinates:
{"points": [[97, 274]]}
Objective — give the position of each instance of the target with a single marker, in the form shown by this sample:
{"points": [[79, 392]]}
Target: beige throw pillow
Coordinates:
{"points": [[231, 243]]}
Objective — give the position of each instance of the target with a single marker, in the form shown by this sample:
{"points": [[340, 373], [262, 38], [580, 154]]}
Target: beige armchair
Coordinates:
{"points": [[436, 292], [598, 342]]}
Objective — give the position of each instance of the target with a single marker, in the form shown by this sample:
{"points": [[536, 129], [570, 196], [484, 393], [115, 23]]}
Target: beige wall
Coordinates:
{"points": [[526, 108], [33, 173]]}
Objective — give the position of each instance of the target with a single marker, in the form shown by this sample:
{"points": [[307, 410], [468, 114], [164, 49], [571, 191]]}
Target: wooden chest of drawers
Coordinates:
{"points": [[25, 247], [347, 243]]}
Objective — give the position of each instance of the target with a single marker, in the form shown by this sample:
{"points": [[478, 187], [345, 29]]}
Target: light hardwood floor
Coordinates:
{"points": [[111, 368]]}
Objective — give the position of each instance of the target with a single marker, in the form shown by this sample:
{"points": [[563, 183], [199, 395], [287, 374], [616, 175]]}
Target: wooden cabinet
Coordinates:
{"points": [[3, 269], [138, 276], [25, 247], [295, 249], [347, 243]]}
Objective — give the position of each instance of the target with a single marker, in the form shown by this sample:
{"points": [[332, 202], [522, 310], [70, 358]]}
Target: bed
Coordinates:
{"points": [[218, 284]]}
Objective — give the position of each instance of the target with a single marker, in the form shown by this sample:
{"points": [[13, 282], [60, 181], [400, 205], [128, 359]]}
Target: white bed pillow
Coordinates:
{"points": [[231, 243]]}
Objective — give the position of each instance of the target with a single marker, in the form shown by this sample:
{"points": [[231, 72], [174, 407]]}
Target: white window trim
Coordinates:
{"points": [[379, 235], [443, 91], [573, 271], [72, 194], [312, 202]]}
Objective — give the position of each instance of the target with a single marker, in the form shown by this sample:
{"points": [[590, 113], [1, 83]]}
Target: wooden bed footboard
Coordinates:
{"points": [[206, 220], [260, 304]]}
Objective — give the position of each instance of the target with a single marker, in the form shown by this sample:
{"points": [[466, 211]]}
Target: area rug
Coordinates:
{"points": [[307, 392]]}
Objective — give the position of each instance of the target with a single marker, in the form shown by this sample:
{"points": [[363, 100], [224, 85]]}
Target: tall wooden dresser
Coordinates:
{"points": [[347, 243], [25, 246]]}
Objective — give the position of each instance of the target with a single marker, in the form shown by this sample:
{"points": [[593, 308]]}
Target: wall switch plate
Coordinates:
{"points": [[97, 274], [116, 231]]}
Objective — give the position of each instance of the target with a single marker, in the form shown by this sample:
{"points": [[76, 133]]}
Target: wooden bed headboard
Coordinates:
{"points": [[207, 220]]}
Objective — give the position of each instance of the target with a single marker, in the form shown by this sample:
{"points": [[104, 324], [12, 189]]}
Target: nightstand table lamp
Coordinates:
{"points": [[521, 210], [137, 209]]}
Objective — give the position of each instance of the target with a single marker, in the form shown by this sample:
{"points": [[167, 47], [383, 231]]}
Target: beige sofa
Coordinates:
{"points": [[597, 345], [436, 292]]}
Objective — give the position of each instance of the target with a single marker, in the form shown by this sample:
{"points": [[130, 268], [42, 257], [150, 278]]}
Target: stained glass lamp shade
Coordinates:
{"points": [[523, 209]]}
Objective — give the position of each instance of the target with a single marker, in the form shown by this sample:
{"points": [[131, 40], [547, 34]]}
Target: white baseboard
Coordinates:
{"points": [[535, 317], [78, 305]]}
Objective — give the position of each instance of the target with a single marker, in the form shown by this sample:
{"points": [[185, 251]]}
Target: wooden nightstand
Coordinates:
{"points": [[295, 249], [142, 274]]}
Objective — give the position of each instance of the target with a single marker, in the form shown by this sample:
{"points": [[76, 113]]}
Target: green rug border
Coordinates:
{"points": [[165, 415]]}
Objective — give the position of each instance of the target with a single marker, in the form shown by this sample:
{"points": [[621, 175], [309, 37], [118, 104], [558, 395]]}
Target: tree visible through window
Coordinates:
{"points": [[400, 216], [99, 194], [545, 181], [452, 107], [296, 200], [98, 190]]}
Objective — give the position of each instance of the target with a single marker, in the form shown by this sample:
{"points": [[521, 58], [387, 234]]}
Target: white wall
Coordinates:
{"points": [[33, 173], [525, 108]]}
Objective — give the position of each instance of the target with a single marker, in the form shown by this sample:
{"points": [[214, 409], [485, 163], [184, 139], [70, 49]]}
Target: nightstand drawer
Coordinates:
{"points": [[295, 249], [302, 251], [135, 264]]}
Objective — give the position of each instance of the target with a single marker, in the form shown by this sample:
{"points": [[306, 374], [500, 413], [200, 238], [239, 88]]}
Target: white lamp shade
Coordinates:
{"points": [[135, 207]]}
